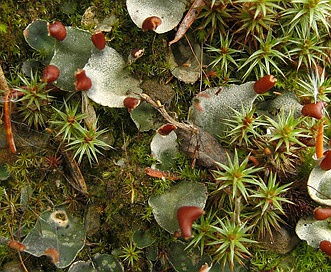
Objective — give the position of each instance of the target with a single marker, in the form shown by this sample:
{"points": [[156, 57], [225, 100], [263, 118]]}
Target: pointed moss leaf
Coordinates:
{"points": [[213, 106], [169, 11], [111, 82], [143, 238], [183, 193], [101, 263], [70, 55], [164, 150], [56, 234], [319, 186], [145, 117], [36, 35], [313, 231], [183, 63]]}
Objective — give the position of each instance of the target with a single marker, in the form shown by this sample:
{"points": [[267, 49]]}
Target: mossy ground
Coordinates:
{"points": [[118, 186]]}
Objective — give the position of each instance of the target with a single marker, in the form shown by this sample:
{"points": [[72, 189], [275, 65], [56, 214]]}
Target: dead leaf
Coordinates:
{"points": [[188, 20]]}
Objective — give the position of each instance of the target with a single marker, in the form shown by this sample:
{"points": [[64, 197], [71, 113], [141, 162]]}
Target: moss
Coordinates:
{"points": [[118, 185]]}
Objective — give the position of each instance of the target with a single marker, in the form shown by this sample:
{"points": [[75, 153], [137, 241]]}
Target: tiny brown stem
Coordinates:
{"points": [[6, 111], [158, 106], [319, 141]]}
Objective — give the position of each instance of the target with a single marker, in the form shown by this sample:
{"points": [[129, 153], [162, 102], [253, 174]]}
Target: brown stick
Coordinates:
{"points": [[188, 20], [157, 105], [6, 111], [319, 141]]}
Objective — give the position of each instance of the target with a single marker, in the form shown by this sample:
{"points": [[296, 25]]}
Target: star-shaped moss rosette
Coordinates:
{"points": [[158, 15]]}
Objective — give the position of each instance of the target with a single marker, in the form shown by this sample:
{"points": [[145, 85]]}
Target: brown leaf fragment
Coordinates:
{"points": [[16, 245], [155, 173], [188, 20], [53, 254], [202, 147], [75, 177]]}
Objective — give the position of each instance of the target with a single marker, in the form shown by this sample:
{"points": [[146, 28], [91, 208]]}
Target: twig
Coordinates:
{"points": [[188, 20], [319, 141], [158, 106], [6, 111]]}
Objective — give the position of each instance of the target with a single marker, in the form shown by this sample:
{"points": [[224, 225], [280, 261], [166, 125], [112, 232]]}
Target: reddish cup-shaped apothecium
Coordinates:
{"points": [[326, 161], [16, 245], [264, 84], [313, 109], [325, 246], [166, 129], [186, 216], [322, 213], [99, 40], [53, 253], [131, 103], [151, 23], [136, 53], [50, 73], [83, 82], [57, 30]]}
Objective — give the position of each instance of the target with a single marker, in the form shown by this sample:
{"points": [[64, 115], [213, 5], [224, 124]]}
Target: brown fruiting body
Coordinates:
{"points": [[166, 129], [325, 246], [151, 23], [313, 109], [322, 213], [155, 173], [83, 82], [186, 216], [53, 254], [99, 40], [264, 84], [326, 161], [131, 103], [16, 245], [50, 73], [204, 268], [57, 30], [136, 53]]}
